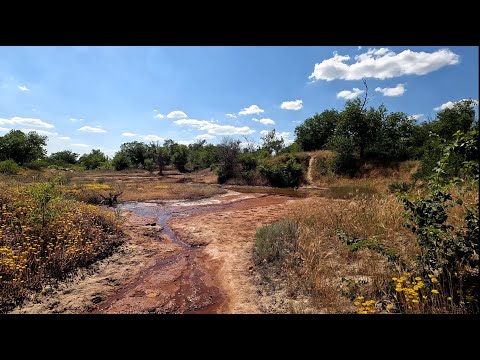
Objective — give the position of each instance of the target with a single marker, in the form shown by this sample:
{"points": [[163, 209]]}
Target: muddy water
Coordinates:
{"points": [[183, 280]]}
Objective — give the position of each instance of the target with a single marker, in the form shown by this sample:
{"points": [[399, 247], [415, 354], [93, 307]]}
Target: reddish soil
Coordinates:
{"points": [[206, 268]]}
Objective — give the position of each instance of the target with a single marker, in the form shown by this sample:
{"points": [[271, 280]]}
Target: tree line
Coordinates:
{"points": [[355, 134]]}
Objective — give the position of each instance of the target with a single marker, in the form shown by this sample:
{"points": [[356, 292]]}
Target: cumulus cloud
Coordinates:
{"points": [[23, 88], [183, 142], [215, 129], [75, 120], [395, 91], [2, 129], [252, 109], [25, 122], [92, 129], [264, 132], [449, 104], [204, 136], [383, 64], [176, 114], [129, 134], [348, 95], [264, 121], [63, 138], [232, 115], [292, 105], [161, 116]]}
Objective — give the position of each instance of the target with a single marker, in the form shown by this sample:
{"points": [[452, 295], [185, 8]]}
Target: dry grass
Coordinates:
{"points": [[331, 272], [149, 190]]}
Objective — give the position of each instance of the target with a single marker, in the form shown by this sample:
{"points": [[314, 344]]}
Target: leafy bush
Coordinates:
{"points": [[9, 167], [282, 171], [273, 242], [39, 164]]}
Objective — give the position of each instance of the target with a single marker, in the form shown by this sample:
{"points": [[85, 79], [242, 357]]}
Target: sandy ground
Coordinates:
{"points": [[209, 270]]}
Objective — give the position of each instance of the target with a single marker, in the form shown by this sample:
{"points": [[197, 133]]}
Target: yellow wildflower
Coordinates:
{"points": [[435, 291], [418, 278], [449, 298]]}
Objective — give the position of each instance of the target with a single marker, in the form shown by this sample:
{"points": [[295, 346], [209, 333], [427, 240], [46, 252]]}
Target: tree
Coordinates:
{"points": [[179, 157], [22, 148], [201, 155], [460, 116], [93, 160], [158, 156], [316, 131], [228, 152], [63, 157], [136, 152], [272, 143], [121, 161]]}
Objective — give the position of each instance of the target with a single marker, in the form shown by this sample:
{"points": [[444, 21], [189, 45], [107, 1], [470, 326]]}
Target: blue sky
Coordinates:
{"points": [[101, 97]]}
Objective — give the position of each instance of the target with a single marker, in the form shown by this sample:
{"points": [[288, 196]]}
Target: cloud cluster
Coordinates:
{"points": [[25, 122], [177, 114], [383, 64], [395, 91], [349, 95], [264, 121], [148, 138], [215, 129], [292, 105], [251, 110]]}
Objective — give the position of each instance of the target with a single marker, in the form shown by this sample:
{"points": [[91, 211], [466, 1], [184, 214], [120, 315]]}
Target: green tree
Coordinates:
{"points": [[93, 160], [228, 152], [316, 131], [63, 157], [136, 152], [121, 161], [179, 157], [158, 155], [22, 148]]}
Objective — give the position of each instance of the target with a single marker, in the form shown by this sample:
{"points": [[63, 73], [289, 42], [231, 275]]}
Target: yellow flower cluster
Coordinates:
{"points": [[365, 307]]}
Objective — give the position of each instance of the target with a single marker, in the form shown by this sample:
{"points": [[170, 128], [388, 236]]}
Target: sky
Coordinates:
{"points": [[99, 97]]}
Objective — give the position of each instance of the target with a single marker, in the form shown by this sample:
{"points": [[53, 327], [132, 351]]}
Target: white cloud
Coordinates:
{"points": [[26, 122], [40, 132], [23, 88], [284, 134], [383, 64], [449, 104], [183, 142], [81, 145], [161, 116], [232, 115], [264, 132], [215, 129], [252, 109], [264, 121], [348, 95], [75, 120], [395, 91], [205, 136], [63, 138], [2, 129], [151, 137], [92, 129], [292, 105], [359, 48], [416, 116], [176, 114]]}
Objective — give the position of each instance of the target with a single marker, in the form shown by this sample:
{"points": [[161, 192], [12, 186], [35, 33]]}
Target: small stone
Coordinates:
{"points": [[97, 299]]}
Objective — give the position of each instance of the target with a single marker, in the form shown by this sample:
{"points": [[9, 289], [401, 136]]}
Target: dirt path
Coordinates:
{"points": [[200, 263], [309, 171]]}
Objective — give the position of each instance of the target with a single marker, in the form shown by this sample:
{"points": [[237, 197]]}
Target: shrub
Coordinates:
{"points": [[9, 167], [273, 242], [400, 187], [282, 171]]}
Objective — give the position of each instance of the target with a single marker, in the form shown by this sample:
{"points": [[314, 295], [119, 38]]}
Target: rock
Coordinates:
{"points": [[151, 224], [97, 299]]}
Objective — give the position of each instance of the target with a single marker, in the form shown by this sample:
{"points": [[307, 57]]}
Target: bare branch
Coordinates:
{"points": [[366, 92]]}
